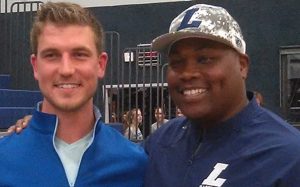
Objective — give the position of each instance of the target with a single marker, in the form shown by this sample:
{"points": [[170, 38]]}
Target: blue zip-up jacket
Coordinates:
{"points": [[256, 148], [30, 159]]}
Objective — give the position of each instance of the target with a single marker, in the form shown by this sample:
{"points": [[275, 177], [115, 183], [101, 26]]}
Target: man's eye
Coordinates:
{"points": [[81, 55], [205, 60], [175, 63], [202, 60], [50, 55]]}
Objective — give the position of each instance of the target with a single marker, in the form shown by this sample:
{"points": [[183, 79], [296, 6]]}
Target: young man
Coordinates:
{"points": [[66, 143], [226, 139]]}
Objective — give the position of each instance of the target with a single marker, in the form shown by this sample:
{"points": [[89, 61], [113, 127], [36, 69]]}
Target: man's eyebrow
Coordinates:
{"points": [[48, 50], [55, 50], [82, 48], [199, 48]]}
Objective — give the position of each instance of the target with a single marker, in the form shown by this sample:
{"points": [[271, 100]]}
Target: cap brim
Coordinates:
{"points": [[165, 41]]}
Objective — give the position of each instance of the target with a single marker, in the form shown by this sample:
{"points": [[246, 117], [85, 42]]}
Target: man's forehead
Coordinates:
{"points": [[197, 44]]}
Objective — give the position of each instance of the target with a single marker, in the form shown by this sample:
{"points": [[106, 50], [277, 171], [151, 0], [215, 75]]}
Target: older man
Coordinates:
{"points": [[226, 139]]}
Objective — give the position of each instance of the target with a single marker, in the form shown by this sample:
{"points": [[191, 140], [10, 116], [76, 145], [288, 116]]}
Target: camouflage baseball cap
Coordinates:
{"points": [[203, 21]]}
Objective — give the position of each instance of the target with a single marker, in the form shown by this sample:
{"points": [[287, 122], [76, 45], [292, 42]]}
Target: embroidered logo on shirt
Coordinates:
{"points": [[212, 180]]}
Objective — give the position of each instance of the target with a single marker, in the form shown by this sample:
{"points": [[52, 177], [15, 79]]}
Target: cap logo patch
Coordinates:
{"points": [[203, 21], [186, 21]]}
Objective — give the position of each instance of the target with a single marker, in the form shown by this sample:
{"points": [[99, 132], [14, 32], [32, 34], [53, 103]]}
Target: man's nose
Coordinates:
{"points": [[67, 67], [190, 71]]}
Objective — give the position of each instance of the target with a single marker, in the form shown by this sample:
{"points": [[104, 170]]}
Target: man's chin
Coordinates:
{"points": [[70, 107], [67, 107]]}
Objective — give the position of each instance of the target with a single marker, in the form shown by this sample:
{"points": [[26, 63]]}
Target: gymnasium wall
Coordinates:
{"points": [[267, 25]]}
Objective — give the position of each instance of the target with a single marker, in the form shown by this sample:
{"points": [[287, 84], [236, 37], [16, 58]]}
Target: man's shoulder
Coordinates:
{"points": [[119, 127], [170, 131], [7, 141], [13, 139], [115, 142], [271, 134], [272, 125], [14, 145], [106, 130], [171, 125]]}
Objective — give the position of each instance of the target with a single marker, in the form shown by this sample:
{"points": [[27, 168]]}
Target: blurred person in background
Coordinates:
{"points": [[159, 115], [134, 120], [259, 98]]}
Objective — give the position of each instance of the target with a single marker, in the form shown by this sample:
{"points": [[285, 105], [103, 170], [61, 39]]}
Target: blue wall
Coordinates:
{"points": [[266, 25]]}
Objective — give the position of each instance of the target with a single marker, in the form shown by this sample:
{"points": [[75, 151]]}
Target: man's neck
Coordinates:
{"points": [[72, 128], [72, 124]]}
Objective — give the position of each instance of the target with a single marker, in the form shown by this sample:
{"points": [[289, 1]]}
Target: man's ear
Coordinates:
{"points": [[244, 65], [102, 62], [33, 61]]}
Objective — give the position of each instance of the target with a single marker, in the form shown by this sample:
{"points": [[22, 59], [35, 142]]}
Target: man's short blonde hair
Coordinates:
{"points": [[61, 14]]}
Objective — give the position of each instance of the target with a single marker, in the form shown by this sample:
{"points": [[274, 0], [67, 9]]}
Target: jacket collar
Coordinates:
{"points": [[231, 125], [47, 123]]}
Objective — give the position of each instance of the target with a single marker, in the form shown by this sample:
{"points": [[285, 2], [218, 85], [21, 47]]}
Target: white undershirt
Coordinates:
{"points": [[71, 154]]}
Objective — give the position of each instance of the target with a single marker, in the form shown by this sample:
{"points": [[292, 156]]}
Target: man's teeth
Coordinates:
{"points": [[68, 85], [193, 92]]}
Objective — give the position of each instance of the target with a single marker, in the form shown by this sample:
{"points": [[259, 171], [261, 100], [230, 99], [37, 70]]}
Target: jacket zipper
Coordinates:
{"points": [[190, 161]]}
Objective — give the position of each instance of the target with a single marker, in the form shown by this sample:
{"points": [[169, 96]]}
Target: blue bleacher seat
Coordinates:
{"points": [[5, 81], [9, 115], [19, 98]]}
